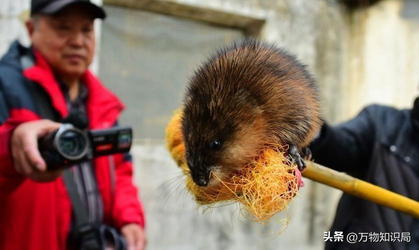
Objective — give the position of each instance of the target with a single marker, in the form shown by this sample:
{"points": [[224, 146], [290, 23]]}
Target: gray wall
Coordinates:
{"points": [[147, 59], [12, 16]]}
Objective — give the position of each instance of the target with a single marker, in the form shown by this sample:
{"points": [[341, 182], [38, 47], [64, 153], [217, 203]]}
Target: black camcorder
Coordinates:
{"points": [[70, 145]]}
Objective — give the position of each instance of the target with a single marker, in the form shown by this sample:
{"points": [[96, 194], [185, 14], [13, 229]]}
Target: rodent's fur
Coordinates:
{"points": [[246, 96]]}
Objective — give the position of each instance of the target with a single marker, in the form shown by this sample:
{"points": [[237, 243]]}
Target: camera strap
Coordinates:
{"points": [[88, 234]]}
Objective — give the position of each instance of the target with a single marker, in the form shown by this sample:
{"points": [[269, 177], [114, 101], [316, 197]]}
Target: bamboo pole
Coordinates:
{"points": [[361, 189]]}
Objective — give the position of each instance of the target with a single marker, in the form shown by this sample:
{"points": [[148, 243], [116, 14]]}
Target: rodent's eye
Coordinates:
{"points": [[215, 145]]}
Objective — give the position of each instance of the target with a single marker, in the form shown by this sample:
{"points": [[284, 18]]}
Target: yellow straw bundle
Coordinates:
{"points": [[264, 186]]}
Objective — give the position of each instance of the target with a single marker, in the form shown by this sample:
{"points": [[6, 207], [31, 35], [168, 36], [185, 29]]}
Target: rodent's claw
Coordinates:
{"points": [[296, 157], [306, 153], [301, 164]]}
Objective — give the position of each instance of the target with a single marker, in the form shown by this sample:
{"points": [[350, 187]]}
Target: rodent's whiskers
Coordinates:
{"points": [[166, 190], [175, 190], [177, 173]]}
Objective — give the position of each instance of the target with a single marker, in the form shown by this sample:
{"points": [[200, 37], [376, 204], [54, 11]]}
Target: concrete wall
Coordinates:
{"points": [[384, 51], [148, 65], [12, 16]]}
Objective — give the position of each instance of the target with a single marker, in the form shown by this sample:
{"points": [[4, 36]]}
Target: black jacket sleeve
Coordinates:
{"points": [[346, 147], [4, 112]]}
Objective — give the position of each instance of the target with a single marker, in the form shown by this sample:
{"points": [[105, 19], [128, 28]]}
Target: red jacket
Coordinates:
{"points": [[38, 215]]}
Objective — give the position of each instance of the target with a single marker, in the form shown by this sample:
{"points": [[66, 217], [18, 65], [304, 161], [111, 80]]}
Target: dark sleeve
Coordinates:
{"points": [[6, 128], [4, 112], [346, 147]]}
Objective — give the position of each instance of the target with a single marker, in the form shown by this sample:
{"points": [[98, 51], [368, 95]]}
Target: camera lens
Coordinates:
{"points": [[72, 144]]}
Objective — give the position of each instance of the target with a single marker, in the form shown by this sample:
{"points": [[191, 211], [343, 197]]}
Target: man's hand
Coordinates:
{"points": [[24, 146], [135, 236]]}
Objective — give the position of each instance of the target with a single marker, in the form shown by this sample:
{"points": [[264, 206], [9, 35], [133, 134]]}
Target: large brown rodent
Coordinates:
{"points": [[248, 95]]}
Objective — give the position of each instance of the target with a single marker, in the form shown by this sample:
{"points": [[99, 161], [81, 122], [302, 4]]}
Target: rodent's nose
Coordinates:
{"points": [[201, 179]]}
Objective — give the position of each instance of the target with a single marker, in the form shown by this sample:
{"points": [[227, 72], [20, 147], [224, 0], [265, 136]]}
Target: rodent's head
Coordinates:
{"points": [[218, 141], [223, 123]]}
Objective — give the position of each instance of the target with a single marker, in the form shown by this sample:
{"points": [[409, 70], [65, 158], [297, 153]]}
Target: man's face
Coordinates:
{"points": [[66, 40]]}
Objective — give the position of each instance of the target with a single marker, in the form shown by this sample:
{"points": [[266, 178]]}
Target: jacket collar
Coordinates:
{"points": [[102, 107], [11, 58]]}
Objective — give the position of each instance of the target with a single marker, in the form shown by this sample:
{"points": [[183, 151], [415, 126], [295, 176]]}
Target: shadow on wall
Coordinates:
{"points": [[410, 10]]}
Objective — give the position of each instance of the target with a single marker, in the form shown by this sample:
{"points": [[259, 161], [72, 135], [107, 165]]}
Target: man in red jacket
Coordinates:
{"points": [[35, 209]]}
